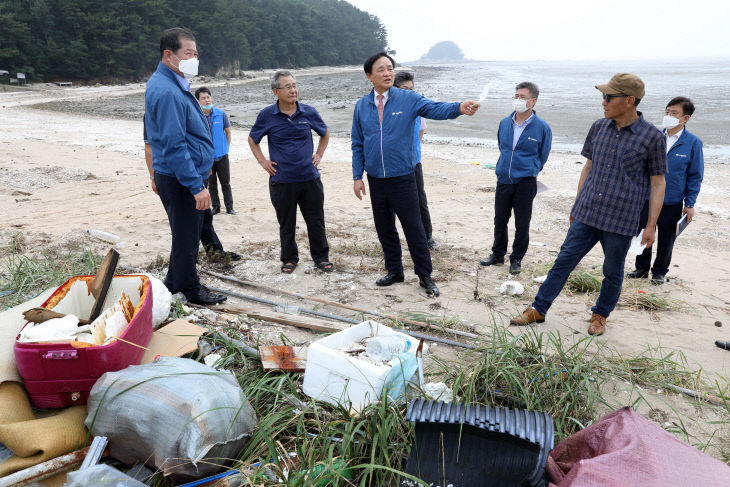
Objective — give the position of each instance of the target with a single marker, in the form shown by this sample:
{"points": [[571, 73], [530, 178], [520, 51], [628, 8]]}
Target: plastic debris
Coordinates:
{"points": [[511, 288]]}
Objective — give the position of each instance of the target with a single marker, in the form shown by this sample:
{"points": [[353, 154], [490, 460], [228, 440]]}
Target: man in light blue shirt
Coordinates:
{"points": [[524, 145]]}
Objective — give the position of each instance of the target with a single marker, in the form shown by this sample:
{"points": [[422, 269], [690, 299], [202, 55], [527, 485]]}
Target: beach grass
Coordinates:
{"points": [[584, 282], [29, 275]]}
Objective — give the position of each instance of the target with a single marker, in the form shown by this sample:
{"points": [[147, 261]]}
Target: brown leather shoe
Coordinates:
{"points": [[597, 326], [530, 315]]}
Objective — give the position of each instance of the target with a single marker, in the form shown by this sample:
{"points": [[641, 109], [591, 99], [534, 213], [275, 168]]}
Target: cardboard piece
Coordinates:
{"points": [[173, 340]]}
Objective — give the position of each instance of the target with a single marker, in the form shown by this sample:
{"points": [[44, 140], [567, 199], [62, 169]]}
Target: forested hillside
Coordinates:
{"points": [[119, 39]]}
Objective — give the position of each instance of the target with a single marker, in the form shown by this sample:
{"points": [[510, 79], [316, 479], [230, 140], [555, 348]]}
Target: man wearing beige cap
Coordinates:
{"points": [[626, 160]]}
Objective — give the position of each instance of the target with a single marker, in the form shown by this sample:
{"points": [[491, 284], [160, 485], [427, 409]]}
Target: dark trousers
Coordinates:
{"points": [[309, 196], [221, 171], [666, 235], [208, 237], [423, 201], [391, 197], [517, 197], [186, 224]]}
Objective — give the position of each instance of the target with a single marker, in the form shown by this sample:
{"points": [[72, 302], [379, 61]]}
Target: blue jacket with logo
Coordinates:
{"points": [[177, 131], [531, 152], [685, 169], [220, 142], [386, 150]]}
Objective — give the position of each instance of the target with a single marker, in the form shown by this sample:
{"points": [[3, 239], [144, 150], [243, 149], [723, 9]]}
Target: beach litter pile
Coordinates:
{"points": [[186, 404]]}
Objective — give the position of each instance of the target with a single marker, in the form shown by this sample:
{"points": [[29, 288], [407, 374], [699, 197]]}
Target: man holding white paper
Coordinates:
{"points": [[685, 164], [626, 160]]}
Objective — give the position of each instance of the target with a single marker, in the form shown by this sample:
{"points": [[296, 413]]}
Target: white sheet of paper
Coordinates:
{"points": [[541, 187], [636, 247], [485, 93]]}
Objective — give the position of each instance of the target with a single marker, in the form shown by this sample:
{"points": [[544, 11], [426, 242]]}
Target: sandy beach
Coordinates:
{"points": [[61, 174]]}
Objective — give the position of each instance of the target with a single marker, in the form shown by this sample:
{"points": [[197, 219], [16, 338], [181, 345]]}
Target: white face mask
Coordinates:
{"points": [[519, 105], [188, 67], [669, 122]]}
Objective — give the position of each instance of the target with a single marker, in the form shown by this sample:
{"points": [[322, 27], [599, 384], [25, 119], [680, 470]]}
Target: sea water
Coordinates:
{"points": [[569, 101]]}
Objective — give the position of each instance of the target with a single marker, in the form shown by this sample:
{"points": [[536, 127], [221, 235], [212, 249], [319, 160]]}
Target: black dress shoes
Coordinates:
{"points": [[427, 283], [390, 278], [515, 267], [492, 260], [206, 298], [638, 274], [658, 279]]}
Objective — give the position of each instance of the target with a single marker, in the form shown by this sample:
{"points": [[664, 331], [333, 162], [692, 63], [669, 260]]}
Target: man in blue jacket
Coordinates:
{"points": [[382, 145], [524, 145], [685, 168], [220, 129], [182, 153]]}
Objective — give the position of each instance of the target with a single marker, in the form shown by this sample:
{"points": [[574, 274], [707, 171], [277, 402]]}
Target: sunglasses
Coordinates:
{"points": [[608, 98]]}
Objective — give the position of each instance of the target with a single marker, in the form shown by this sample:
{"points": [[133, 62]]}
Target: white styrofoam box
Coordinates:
{"points": [[335, 377]]}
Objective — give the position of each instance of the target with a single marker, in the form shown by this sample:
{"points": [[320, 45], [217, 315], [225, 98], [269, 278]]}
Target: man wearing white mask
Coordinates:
{"points": [[182, 154], [685, 169], [524, 145]]}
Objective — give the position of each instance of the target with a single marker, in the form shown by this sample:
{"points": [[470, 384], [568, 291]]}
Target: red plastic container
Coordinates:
{"points": [[59, 375]]}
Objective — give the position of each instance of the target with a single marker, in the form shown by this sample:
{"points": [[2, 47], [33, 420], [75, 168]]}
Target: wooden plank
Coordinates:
{"points": [[102, 281], [298, 321]]}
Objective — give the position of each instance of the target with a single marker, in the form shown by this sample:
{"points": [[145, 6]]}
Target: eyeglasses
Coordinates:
{"points": [[608, 98], [523, 97], [288, 87]]}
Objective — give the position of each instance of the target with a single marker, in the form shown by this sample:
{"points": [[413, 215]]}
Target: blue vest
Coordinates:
{"points": [[220, 142]]}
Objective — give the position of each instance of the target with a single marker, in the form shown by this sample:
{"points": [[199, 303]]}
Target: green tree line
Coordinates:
{"points": [[119, 39]]}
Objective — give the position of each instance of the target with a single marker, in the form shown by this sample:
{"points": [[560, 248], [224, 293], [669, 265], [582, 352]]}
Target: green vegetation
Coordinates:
{"points": [[119, 39]]}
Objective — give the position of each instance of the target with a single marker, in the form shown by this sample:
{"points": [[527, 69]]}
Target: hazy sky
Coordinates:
{"points": [[556, 29]]}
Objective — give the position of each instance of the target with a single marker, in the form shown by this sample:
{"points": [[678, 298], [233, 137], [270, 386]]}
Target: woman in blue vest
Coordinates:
{"points": [[220, 129], [685, 168]]}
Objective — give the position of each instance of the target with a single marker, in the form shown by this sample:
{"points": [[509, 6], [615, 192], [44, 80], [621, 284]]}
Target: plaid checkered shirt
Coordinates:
{"points": [[619, 180]]}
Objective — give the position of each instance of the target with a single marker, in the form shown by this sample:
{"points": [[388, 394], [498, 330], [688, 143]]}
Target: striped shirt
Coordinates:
{"points": [[619, 179]]}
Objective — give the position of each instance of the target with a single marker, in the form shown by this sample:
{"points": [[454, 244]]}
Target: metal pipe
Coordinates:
{"points": [[340, 318], [46, 469], [346, 306]]}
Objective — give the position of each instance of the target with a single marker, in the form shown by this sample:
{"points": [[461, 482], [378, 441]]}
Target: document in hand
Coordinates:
{"points": [[682, 224], [636, 246]]}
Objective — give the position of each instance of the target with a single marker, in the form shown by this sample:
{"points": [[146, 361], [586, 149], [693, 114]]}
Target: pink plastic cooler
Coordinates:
{"points": [[59, 375]]}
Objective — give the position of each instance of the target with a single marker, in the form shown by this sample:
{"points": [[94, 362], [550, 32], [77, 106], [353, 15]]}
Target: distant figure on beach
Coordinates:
{"points": [[404, 81], [182, 154], [626, 160], [685, 169], [220, 128], [383, 125], [208, 237], [524, 145], [292, 165]]}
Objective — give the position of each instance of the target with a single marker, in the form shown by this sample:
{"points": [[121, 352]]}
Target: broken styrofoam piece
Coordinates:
{"points": [[540, 279], [211, 359], [51, 330], [161, 301], [438, 391], [511, 288]]}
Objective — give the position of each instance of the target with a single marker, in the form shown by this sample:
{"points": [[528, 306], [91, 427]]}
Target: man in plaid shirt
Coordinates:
{"points": [[626, 158]]}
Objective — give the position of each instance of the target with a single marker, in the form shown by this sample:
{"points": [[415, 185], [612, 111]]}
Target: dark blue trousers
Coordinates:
{"points": [[391, 197], [186, 224], [665, 236], [208, 237]]}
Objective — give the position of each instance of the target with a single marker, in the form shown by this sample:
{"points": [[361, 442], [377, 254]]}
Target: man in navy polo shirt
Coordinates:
{"points": [[626, 160], [292, 165]]}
